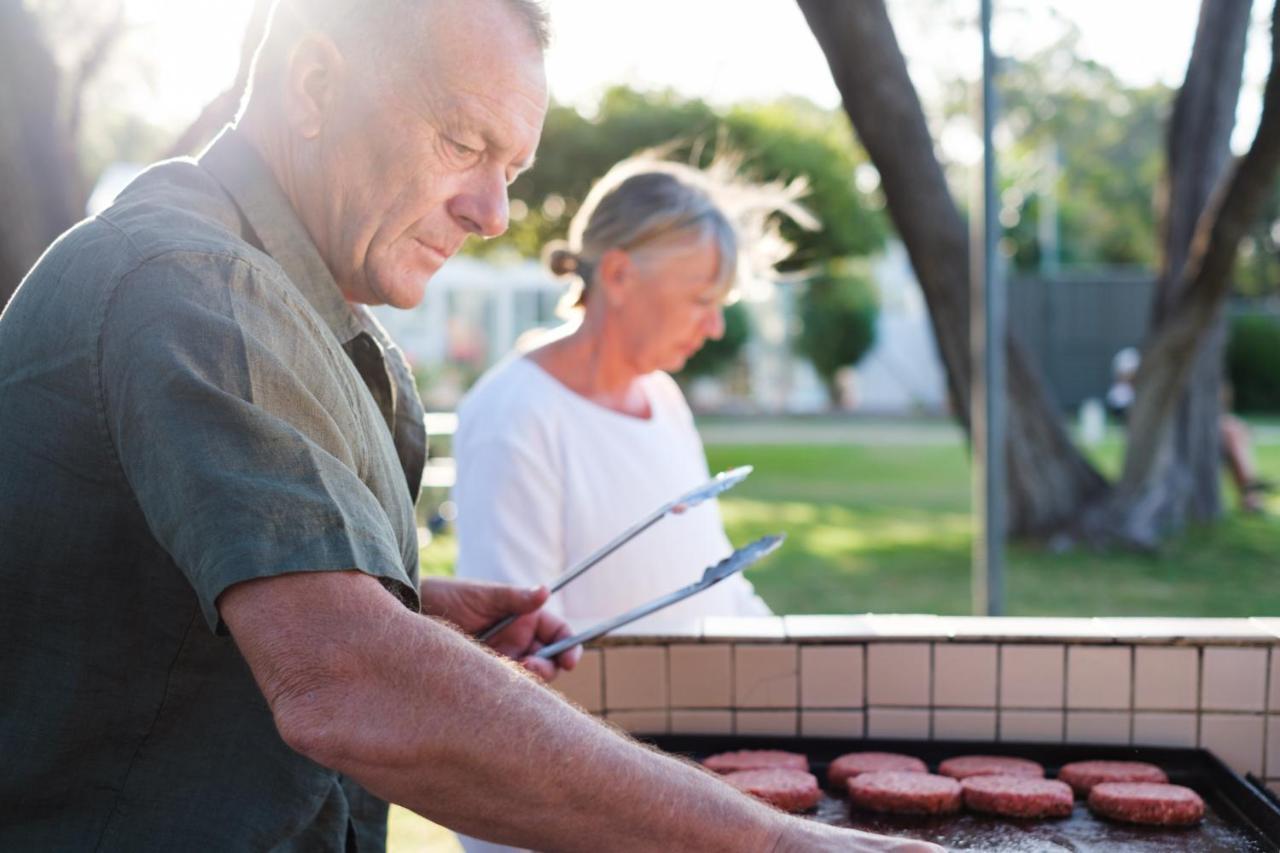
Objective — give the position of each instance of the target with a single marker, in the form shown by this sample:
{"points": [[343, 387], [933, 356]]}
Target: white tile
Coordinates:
{"points": [[635, 678], [831, 676], [1026, 726], [639, 722], [699, 722], [827, 627], [1273, 705], [1031, 676], [765, 676], [1166, 679], [898, 722], [765, 722], [964, 675], [832, 724], [964, 725], [1098, 677], [1097, 727], [1234, 680], [701, 676], [1235, 738], [1156, 729], [584, 685], [898, 674], [1273, 745], [746, 628]]}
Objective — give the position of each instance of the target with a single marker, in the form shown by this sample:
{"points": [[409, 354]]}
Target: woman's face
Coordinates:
{"points": [[670, 303]]}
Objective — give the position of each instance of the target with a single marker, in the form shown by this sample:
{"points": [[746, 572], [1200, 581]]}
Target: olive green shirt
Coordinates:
{"points": [[186, 402]]}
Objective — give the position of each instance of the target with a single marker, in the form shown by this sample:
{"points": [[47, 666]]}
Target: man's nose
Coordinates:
{"points": [[481, 207]]}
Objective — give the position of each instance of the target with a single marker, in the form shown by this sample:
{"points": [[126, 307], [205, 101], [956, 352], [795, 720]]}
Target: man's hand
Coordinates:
{"points": [[475, 605]]}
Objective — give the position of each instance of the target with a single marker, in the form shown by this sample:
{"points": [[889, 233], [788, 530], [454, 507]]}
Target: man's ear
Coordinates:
{"points": [[313, 79], [614, 274]]}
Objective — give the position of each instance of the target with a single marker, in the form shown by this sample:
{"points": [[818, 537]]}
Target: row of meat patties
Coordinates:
{"points": [[1128, 791]]}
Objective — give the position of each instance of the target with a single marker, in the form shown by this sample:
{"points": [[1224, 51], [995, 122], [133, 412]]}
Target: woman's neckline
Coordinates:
{"points": [[595, 404]]}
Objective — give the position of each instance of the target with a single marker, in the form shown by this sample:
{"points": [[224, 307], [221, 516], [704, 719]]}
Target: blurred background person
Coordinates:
{"points": [[1233, 432], [563, 445]]}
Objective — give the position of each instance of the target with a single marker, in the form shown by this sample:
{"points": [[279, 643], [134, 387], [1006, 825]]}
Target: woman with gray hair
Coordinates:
{"points": [[561, 447]]}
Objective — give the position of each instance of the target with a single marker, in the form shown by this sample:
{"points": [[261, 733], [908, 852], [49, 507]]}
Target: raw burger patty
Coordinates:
{"points": [[1083, 775], [854, 764], [790, 790], [905, 793], [1150, 803], [1017, 796], [756, 759], [964, 766]]}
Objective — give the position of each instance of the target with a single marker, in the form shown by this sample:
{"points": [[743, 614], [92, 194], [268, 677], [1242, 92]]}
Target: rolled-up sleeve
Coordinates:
{"points": [[237, 426]]}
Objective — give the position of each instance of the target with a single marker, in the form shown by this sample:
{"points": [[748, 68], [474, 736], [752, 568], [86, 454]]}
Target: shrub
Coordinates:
{"points": [[838, 316], [1253, 362]]}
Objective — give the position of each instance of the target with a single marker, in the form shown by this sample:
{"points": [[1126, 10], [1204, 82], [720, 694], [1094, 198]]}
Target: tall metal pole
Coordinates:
{"points": [[987, 337]]}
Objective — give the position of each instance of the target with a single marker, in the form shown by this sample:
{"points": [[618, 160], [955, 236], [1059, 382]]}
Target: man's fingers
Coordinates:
{"points": [[544, 669]]}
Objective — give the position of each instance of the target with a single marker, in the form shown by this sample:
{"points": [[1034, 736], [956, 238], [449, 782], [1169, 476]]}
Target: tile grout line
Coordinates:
{"points": [[867, 710], [1066, 687], [932, 674], [733, 688], [1266, 710], [999, 702], [1133, 693], [1199, 695]]}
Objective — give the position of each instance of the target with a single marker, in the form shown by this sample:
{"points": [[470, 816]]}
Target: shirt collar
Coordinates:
{"points": [[236, 165]]}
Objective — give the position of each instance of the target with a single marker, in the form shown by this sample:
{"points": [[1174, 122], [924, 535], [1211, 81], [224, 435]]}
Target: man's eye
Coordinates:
{"points": [[464, 152]]}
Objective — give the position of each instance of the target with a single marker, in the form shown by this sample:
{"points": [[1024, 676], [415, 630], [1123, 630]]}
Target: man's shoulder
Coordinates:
{"points": [[174, 213]]}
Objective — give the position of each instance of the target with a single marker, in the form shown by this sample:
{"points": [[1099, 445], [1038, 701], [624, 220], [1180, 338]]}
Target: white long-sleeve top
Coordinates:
{"points": [[545, 477]]}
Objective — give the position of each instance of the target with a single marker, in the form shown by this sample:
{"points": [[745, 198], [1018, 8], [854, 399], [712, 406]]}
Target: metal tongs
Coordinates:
{"points": [[730, 565], [718, 484]]}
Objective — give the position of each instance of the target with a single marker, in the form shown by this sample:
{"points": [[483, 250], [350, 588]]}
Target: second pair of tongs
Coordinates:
{"points": [[718, 484]]}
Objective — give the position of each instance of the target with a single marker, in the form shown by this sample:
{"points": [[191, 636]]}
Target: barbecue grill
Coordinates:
{"points": [[1240, 814]]}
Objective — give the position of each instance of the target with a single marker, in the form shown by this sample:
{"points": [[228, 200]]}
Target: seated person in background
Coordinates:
{"points": [[562, 447], [1237, 447]]}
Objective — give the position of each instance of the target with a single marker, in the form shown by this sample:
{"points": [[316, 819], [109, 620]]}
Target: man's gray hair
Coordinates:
{"points": [[365, 25]]}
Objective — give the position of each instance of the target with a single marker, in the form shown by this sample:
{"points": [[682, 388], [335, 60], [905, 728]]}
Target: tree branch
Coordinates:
{"points": [[222, 109], [89, 66], [1207, 274]]}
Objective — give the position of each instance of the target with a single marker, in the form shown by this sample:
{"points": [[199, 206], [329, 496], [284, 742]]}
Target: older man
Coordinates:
{"points": [[214, 636]]}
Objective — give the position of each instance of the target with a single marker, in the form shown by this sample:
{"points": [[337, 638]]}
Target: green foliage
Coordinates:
{"points": [[1108, 140], [838, 315], [1253, 363], [716, 356], [778, 141]]}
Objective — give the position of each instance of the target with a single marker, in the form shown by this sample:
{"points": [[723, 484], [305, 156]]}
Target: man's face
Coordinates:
{"points": [[418, 157]]}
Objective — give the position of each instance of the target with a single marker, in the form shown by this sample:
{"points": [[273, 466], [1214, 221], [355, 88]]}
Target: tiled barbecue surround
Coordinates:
{"points": [[1213, 683]]}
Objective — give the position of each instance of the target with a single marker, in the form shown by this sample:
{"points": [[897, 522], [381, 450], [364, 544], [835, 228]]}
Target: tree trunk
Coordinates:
{"points": [[222, 109], [1137, 510], [1185, 486], [38, 167], [1049, 480]]}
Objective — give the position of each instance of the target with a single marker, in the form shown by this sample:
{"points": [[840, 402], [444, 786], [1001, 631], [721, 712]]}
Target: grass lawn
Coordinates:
{"points": [[886, 529]]}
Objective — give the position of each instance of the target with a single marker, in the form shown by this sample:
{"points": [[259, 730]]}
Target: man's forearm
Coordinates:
{"points": [[470, 742], [425, 718]]}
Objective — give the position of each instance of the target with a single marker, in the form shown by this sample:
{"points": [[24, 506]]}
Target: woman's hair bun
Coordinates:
{"points": [[560, 259]]}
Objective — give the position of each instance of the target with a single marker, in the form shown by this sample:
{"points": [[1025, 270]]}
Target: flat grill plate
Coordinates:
{"points": [[1238, 817]]}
